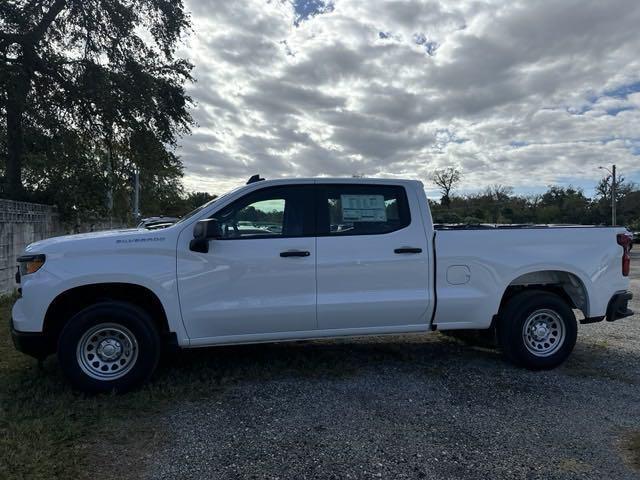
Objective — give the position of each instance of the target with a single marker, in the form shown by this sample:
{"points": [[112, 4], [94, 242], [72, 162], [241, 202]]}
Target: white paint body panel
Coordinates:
{"points": [[362, 283], [141, 257], [242, 291], [497, 258], [244, 287]]}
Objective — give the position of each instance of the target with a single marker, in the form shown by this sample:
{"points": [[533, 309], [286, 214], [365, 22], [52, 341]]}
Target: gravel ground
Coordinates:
{"points": [[414, 407]]}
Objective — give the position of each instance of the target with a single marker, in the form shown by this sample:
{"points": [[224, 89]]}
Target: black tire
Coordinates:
{"points": [[527, 308], [120, 328]]}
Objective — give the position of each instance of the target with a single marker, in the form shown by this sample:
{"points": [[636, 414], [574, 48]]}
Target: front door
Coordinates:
{"points": [[259, 280]]}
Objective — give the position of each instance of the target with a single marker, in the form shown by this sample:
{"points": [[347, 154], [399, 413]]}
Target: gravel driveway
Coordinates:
{"points": [[412, 407]]}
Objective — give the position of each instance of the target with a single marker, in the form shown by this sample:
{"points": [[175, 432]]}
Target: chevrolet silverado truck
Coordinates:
{"points": [[287, 260]]}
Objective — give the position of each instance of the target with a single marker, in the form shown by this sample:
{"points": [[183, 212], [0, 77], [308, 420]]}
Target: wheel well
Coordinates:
{"points": [[564, 284], [72, 301]]}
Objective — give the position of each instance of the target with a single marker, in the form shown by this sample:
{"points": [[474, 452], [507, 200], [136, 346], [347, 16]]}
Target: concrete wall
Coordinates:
{"points": [[22, 223]]}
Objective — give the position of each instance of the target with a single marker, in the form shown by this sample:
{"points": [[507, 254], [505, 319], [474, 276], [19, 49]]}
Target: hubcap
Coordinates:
{"points": [[107, 351], [543, 332]]}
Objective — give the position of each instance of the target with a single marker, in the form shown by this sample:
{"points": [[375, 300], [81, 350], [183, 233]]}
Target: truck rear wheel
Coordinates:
{"points": [[537, 330], [109, 346]]}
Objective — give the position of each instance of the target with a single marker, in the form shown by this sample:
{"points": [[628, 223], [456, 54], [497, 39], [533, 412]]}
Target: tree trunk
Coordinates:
{"points": [[15, 144], [17, 92], [18, 88]]}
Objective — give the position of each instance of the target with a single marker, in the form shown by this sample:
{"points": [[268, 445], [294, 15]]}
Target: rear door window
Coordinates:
{"points": [[362, 209]]}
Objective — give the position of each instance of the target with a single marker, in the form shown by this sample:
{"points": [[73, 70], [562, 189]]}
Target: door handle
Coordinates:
{"points": [[295, 253], [408, 250]]}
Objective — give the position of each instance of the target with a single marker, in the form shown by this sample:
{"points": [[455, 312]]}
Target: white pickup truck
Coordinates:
{"points": [[299, 259]]}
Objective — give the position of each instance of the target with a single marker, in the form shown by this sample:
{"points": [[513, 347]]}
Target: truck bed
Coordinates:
{"points": [[475, 265]]}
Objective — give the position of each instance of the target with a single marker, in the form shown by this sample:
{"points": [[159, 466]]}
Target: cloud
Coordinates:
{"points": [[519, 93]]}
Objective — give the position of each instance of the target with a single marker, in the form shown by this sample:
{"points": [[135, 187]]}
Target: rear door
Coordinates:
{"points": [[372, 259]]}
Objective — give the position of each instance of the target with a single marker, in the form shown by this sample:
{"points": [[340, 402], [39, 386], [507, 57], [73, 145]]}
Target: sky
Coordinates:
{"points": [[518, 93]]}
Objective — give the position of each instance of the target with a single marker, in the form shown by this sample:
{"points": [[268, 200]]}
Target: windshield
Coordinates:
{"points": [[193, 212], [202, 207]]}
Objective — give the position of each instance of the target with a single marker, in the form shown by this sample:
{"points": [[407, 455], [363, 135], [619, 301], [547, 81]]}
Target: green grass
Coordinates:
{"points": [[47, 430]]}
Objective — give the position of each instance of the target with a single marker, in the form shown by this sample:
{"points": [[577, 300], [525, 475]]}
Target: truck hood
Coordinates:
{"points": [[99, 239]]}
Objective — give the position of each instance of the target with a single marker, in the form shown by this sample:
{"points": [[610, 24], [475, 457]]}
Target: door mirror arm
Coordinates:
{"points": [[203, 231]]}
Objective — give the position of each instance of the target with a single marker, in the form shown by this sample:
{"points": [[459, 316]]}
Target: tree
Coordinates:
{"points": [[498, 192], [629, 211], [563, 205], [446, 179], [623, 188], [496, 200], [87, 86], [602, 202], [197, 199], [499, 204]]}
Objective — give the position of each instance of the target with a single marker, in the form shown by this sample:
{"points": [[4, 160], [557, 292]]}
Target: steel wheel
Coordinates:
{"points": [[107, 351], [543, 332]]}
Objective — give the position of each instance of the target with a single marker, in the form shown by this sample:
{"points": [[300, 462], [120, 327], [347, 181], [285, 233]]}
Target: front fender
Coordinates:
{"points": [[61, 274]]}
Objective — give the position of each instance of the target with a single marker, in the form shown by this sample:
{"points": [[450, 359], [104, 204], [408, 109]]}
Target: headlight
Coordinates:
{"points": [[30, 263]]}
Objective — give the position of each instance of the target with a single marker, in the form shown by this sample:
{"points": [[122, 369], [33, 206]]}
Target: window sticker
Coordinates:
{"points": [[363, 208]]}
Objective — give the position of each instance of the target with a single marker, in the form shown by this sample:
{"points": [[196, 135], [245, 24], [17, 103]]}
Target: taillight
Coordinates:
{"points": [[624, 240]]}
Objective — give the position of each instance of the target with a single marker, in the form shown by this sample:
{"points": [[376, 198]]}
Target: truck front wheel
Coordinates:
{"points": [[537, 330], [109, 346]]}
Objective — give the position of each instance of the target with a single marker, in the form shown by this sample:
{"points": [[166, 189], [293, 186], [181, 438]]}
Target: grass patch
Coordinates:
{"points": [[631, 449], [46, 430], [575, 466], [593, 373]]}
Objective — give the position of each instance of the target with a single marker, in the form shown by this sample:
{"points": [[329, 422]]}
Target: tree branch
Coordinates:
{"points": [[37, 33]]}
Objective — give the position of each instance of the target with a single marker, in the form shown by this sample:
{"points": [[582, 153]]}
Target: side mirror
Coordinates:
{"points": [[203, 231]]}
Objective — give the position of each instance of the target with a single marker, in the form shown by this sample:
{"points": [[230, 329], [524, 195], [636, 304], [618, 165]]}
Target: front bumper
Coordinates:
{"points": [[619, 306], [34, 344]]}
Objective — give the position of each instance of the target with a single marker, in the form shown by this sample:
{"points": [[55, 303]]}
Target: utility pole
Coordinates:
{"points": [[613, 197], [614, 188], [136, 196]]}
